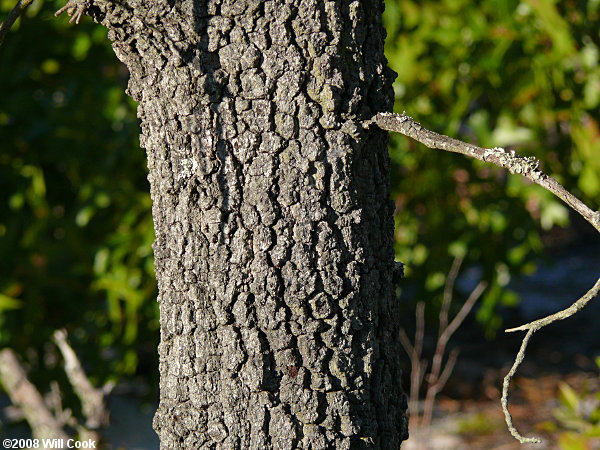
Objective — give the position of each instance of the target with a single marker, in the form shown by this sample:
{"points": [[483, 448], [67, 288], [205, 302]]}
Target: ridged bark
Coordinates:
{"points": [[273, 221]]}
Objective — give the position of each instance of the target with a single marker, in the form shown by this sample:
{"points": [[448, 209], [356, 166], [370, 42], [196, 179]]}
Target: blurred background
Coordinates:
{"points": [[76, 226]]}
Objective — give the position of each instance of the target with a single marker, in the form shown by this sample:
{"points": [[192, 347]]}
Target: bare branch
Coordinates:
{"points": [[448, 368], [25, 395], [526, 166], [92, 399], [418, 367], [438, 377], [405, 341], [529, 167], [75, 9], [532, 327], [420, 328], [464, 311], [506, 385], [15, 13], [448, 288]]}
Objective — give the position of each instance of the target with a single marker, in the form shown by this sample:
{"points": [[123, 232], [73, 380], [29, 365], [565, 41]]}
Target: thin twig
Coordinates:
{"points": [[440, 347], [420, 328], [448, 368], [533, 327], [415, 373], [437, 377], [506, 385], [448, 288], [414, 351], [529, 167], [12, 16], [464, 311]]}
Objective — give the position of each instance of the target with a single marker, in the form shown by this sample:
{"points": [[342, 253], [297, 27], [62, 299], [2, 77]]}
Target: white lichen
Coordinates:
{"points": [[188, 168]]}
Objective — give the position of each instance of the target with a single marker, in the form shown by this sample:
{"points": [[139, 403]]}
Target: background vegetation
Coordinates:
{"points": [[75, 220], [506, 73]]}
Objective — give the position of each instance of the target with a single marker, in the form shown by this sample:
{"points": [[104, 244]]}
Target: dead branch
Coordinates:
{"points": [[529, 167], [526, 166]]}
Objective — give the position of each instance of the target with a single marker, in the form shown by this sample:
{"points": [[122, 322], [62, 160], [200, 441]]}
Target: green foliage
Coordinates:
{"points": [[578, 411], [75, 222], [477, 424], [579, 414], [508, 73]]}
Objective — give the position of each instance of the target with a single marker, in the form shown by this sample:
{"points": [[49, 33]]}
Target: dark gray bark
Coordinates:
{"points": [[273, 222]]}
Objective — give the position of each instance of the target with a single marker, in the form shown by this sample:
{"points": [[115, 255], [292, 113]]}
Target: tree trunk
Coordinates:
{"points": [[273, 251]]}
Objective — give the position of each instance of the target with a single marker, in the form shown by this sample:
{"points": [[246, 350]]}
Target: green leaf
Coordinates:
{"points": [[568, 397], [8, 303]]}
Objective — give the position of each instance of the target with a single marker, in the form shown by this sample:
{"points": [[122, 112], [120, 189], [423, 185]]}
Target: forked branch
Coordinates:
{"points": [[529, 167]]}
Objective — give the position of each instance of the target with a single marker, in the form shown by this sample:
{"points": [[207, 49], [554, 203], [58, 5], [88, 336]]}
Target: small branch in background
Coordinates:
{"points": [[417, 366], [75, 9], [12, 16], [438, 377], [47, 419], [448, 289], [54, 401], [529, 167], [92, 399], [439, 373], [24, 395]]}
